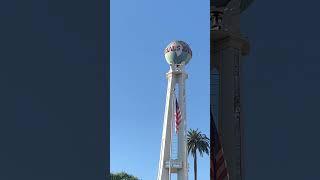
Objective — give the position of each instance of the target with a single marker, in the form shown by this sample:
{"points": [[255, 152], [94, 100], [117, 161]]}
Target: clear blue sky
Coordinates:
{"points": [[140, 30]]}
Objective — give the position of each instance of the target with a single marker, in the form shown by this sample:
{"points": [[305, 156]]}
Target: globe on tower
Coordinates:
{"points": [[177, 52]]}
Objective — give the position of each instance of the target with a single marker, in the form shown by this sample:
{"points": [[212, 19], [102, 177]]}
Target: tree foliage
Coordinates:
{"points": [[197, 142], [122, 176]]}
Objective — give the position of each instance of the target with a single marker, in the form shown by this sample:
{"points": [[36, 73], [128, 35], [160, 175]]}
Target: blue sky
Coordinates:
{"points": [[140, 30]]}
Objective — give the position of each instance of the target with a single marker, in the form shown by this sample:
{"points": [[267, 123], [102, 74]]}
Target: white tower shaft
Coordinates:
{"points": [[167, 164]]}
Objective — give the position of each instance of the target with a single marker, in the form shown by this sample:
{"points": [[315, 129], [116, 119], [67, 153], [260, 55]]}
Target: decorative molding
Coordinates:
{"points": [[228, 40]]}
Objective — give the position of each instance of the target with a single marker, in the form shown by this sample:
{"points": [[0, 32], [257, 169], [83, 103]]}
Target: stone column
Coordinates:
{"points": [[227, 48]]}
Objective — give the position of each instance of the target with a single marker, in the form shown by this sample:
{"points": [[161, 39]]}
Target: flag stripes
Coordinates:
{"points": [[178, 117], [219, 163]]}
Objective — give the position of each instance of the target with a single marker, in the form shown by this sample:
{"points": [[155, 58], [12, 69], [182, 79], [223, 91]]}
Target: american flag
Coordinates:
{"points": [[219, 165], [177, 116]]}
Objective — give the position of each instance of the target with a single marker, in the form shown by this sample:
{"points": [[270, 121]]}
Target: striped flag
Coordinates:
{"points": [[219, 163], [177, 115]]}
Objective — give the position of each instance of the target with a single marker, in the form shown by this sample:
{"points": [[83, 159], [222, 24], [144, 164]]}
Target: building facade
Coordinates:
{"points": [[227, 47]]}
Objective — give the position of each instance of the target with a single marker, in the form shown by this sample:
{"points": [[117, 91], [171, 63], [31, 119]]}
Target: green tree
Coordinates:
{"points": [[122, 176], [197, 142]]}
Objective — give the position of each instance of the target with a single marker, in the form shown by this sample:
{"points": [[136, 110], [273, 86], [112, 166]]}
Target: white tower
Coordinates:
{"points": [[173, 153]]}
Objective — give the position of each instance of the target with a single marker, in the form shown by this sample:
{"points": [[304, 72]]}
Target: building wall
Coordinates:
{"points": [[229, 122]]}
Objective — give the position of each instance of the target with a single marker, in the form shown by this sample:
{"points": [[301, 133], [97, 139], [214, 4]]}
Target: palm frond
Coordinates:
{"points": [[197, 141]]}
